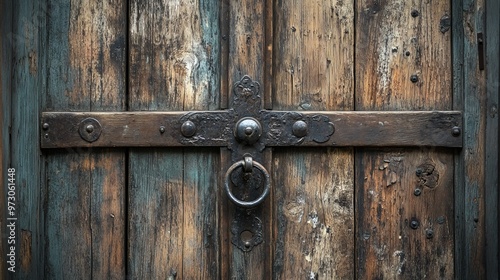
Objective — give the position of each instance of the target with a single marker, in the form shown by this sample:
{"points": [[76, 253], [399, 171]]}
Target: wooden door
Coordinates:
{"points": [[333, 213]]}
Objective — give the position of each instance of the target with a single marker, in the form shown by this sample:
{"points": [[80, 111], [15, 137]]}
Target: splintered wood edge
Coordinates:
{"points": [[352, 128]]}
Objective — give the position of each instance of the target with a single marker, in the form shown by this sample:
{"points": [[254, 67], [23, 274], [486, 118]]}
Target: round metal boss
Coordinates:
{"points": [[188, 129], [90, 129], [299, 128], [247, 204], [248, 130]]}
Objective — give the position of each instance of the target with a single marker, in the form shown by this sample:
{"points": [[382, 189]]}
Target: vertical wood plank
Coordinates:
{"points": [[313, 70], [174, 65], [5, 121], [246, 57], [403, 62], [458, 104], [473, 152], [27, 43], [492, 53], [85, 192]]}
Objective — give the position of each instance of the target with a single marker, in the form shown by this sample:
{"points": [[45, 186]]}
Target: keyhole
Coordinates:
{"points": [[246, 236]]}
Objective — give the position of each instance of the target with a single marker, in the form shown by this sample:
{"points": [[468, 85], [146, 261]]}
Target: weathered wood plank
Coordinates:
{"points": [[458, 104], [492, 152], [403, 62], [473, 155], [313, 55], [174, 65], [352, 128], [85, 195], [401, 188], [27, 43], [5, 117]]}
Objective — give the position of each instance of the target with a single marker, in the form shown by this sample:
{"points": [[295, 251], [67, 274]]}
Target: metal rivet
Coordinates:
{"points": [[188, 129], [407, 53], [45, 126], [248, 130], [429, 233], [299, 128], [414, 78], [46, 136], [89, 128], [417, 192], [414, 224], [414, 13], [456, 131], [247, 244], [162, 129]]}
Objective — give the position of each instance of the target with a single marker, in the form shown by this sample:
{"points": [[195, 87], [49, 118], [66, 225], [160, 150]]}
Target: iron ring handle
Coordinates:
{"points": [[247, 204]]}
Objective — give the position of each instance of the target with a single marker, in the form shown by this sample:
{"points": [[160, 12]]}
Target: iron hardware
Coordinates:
{"points": [[90, 129], [247, 163], [247, 130]]}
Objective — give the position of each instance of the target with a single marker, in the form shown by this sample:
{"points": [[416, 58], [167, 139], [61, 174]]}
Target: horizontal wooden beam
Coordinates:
{"points": [[215, 128]]}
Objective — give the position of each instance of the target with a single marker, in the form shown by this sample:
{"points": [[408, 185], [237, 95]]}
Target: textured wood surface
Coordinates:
{"points": [[313, 71], [471, 224], [492, 139], [5, 121], [174, 65], [394, 41], [167, 217], [85, 193], [28, 70]]}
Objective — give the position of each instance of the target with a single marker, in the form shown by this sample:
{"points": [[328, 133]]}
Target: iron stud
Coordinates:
{"points": [[188, 129]]}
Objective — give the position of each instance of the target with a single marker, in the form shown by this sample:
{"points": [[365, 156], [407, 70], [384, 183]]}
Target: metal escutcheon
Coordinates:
{"points": [[244, 164]]}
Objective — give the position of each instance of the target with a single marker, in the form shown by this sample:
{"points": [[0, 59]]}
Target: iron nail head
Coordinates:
{"points": [[188, 129]]}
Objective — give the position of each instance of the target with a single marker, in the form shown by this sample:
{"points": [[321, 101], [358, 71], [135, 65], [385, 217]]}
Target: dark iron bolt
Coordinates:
{"points": [[162, 129], [455, 131], [89, 128], [414, 78], [188, 129], [414, 224], [417, 192], [45, 126]]}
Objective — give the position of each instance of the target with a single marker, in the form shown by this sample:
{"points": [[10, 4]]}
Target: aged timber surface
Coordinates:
{"points": [[404, 198], [313, 70], [84, 198], [173, 66]]}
